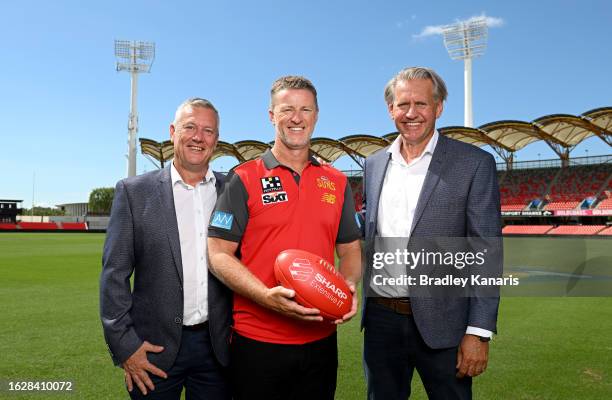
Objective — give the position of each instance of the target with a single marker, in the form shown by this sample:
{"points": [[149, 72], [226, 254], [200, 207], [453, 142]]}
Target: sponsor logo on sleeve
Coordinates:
{"points": [[222, 220]]}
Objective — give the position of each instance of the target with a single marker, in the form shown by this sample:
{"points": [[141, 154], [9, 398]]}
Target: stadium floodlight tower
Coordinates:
{"points": [[134, 57], [465, 40]]}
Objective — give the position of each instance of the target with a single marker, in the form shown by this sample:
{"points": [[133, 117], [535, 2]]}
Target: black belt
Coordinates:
{"points": [[198, 327], [400, 305]]}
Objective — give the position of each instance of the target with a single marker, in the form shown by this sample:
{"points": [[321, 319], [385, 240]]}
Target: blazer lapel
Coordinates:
{"points": [[168, 215], [376, 179], [431, 180]]}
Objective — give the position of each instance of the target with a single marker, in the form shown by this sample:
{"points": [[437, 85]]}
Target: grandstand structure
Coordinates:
{"points": [[561, 132], [554, 191], [9, 209], [564, 196]]}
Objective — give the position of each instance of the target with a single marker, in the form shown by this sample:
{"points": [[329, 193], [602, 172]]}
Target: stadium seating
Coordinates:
{"points": [[562, 205], [519, 187], [526, 229], [512, 207], [605, 204], [570, 186], [576, 230], [74, 226], [573, 184], [606, 232], [8, 226], [357, 189], [38, 225]]}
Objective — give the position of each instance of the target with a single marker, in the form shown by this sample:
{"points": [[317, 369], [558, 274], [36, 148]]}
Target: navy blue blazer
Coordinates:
{"points": [[142, 239], [460, 198]]}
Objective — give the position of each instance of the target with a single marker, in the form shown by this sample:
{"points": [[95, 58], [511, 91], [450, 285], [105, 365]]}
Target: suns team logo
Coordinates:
{"points": [[325, 183]]}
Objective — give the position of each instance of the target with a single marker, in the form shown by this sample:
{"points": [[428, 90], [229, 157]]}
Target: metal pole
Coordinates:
{"points": [[133, 126], [33, 184], [133, 118], [467, 75]]}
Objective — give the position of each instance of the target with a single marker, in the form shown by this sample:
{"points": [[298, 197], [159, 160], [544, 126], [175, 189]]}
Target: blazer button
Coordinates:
{"points": [[178, 320]]}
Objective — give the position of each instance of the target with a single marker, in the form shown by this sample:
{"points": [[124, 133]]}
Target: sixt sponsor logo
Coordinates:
{"points": [[300, 269], [271, 198], [330, 286]]}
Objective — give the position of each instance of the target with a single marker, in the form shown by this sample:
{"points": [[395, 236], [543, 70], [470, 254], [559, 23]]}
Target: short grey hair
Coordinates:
{"points": [[195, 102], [410, 73]]}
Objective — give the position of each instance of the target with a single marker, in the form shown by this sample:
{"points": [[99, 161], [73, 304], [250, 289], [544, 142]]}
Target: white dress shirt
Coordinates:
{"points": [[396, 208], [193, 206]]}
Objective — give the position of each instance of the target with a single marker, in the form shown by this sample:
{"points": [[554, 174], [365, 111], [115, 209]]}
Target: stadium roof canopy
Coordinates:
{"points": [[562, 132]]}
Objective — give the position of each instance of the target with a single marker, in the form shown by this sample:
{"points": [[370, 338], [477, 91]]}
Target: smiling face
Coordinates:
{"points": [[414, 111], [194, 134], [294, 116]]}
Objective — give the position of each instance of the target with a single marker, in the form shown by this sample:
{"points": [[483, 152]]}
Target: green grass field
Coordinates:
{"points": [[547, 347]]}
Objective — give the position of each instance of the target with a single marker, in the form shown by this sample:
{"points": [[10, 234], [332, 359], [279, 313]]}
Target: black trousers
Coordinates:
{"points": [[196, 369], [271, 371], [393, 349]]}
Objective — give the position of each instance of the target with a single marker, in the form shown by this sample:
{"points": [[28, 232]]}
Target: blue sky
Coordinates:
{"points": [[64, 108]]}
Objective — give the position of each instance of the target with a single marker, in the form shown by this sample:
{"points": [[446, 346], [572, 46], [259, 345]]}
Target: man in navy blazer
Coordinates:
{"points": [[426, 186], [171, 328]]}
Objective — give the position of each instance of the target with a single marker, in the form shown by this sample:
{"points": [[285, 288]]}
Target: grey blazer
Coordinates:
{"points": [[142, 239], [459, 198]]}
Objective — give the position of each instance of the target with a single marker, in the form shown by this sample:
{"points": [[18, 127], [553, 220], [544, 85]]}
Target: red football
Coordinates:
{"points": [[316, 282]]}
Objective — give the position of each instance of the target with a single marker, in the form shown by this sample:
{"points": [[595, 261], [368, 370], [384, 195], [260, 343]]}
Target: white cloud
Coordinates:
{"points": [[492, 22]]}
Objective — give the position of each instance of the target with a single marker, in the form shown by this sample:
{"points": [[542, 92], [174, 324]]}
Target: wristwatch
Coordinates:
{"points": [[483, 339]]}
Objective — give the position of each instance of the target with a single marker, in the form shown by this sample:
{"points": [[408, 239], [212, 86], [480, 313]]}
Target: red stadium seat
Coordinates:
{"points": [[606, 232], [526, 229], [577, 230], [8, 226], [38, 225], [74, 226]]}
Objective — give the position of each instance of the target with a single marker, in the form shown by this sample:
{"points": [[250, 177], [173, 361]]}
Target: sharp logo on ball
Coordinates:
{"points": [[271, 184], [300, 269], [330, 286], [272, 198]]}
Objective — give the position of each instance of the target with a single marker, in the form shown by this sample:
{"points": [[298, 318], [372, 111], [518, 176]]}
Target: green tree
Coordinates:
{"points": [[44, 211], [101, 200]]}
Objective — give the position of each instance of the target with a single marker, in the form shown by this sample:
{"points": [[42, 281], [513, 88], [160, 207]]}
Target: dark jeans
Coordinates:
{"points": [[283, 371], [195, 368], [393, 348]]}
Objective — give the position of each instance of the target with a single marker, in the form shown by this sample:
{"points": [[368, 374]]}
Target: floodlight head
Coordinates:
{"points": [[134, 56], [466, 39]]}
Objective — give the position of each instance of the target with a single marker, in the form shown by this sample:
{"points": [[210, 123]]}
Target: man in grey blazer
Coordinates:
{"points": [[426, 186], [171, 328]]}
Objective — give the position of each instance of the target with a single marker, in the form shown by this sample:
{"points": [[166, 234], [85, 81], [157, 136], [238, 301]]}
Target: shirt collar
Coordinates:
{"points": [[175, 176], [396, 154], [271, 162]]}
